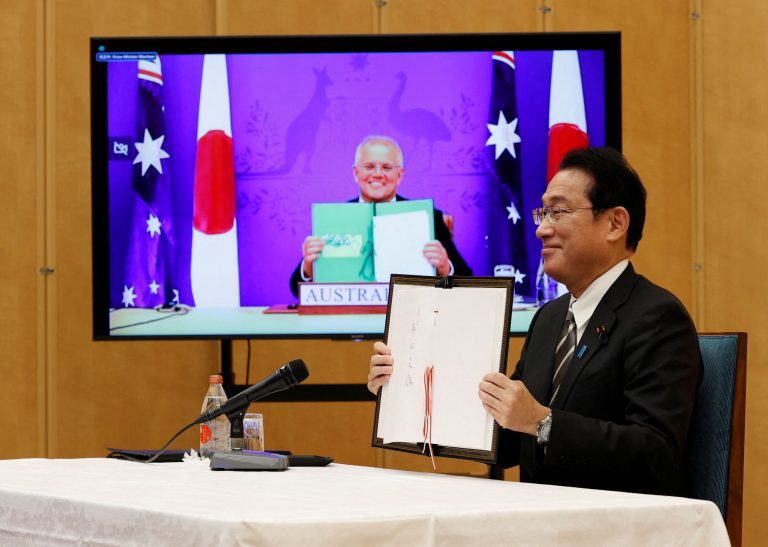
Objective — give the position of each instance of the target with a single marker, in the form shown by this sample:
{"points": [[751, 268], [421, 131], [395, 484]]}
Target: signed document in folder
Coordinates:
{"points": [[398, 243], [443, 340]]}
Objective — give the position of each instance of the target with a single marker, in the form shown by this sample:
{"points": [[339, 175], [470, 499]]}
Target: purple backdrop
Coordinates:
{"points": [[296, 120]]}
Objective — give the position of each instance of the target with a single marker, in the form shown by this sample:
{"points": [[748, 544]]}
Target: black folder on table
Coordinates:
{"points": [[143, 455]]}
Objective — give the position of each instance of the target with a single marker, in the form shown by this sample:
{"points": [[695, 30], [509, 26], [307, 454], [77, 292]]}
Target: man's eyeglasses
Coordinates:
{"points": [[386, 168], [553, 214]]}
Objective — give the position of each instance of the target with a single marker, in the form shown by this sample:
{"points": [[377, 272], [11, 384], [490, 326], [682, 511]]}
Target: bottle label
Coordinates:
{"points": [[205, 433]]}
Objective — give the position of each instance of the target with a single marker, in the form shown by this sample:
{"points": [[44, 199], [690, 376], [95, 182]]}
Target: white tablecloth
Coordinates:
{"points": [[112, 502]]}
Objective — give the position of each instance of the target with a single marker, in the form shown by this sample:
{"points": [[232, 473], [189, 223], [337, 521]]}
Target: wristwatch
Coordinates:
{"points": [[542, 430]]}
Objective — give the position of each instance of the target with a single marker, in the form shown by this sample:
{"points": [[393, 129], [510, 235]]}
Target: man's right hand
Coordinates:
{"points": [[310, 250], [381, 367]]}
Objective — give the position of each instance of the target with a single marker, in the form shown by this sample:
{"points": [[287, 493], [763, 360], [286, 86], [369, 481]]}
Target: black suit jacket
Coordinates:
{"points": [[442, 234], [621, 418]]}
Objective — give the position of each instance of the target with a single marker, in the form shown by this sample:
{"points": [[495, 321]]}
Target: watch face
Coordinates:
{"points": [[545, 427], [543, 431]]}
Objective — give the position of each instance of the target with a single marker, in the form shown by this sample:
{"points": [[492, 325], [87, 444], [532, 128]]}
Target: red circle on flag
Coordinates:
{"points": [[214, 183]]}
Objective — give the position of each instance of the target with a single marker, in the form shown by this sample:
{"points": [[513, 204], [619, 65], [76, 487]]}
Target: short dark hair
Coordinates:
{"points": [[614, 183]]}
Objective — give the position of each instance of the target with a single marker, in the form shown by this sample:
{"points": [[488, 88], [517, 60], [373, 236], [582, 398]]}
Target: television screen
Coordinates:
{"points": [[211, 156]]}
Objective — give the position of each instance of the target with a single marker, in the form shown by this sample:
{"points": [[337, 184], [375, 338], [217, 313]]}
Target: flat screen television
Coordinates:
{"points": [[209, 152]]}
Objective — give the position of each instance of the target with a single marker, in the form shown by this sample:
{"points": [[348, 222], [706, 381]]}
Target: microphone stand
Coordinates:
{"points": [[236, 429], [238, 460]]}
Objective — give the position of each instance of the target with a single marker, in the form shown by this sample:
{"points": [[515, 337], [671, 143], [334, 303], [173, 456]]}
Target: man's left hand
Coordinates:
{"points": [[436, 255], [511, 404]]}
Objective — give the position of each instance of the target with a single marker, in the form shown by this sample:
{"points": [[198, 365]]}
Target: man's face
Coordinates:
{"points": [[574, 246], [377, 173]]}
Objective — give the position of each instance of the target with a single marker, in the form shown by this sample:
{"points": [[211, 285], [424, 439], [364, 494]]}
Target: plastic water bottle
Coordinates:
{"points": [[214, 435]]}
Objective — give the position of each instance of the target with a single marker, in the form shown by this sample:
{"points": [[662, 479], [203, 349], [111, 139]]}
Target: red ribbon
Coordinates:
{"points": [[427, 427]]}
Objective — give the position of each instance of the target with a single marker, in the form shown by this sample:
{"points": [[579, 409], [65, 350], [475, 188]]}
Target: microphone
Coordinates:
{"points": [[286, 376]]}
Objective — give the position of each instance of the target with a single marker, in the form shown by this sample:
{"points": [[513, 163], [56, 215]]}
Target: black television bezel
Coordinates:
{"points": [[608, 42]]}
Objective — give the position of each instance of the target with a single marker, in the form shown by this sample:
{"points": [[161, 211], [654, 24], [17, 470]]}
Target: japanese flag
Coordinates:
{"points": [[214, 270], [567, 120]]}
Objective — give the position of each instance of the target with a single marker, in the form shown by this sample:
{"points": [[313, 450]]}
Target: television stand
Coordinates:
{"points": [[304, 393]]}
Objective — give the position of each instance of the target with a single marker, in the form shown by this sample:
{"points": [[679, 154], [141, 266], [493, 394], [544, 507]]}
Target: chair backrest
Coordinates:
{"points": [[717, 433]]}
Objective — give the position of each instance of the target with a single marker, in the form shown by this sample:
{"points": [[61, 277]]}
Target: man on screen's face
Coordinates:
{"points": [[378, 171]]}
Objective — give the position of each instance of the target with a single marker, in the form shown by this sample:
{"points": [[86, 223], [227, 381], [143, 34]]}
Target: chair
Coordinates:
{"points": [[716, 460]]}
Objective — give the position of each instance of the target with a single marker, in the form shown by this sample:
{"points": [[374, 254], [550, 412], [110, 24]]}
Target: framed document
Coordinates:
{"points": [[445, 334]]}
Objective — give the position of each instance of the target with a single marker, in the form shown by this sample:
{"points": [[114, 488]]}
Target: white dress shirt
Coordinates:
{"points": [[584, 306]]}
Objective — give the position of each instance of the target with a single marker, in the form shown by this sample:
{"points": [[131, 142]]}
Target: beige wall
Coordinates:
{"points": [[22, 297], [694, 112], [734, 138]]}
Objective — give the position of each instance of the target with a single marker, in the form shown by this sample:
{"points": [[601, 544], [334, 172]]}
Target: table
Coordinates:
{"points": [[113, 502], [252, 321]]}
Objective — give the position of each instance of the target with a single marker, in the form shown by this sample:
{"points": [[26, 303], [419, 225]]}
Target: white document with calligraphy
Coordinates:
{"points": [[398, 244], [462, 333]]}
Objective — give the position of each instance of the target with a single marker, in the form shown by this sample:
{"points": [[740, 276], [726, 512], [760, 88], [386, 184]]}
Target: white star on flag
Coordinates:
{"points": [[153, 225], [514, 214], [154, 286], [519, 276], [128, 296], [175, 297], [150, 152], [503, 136]]}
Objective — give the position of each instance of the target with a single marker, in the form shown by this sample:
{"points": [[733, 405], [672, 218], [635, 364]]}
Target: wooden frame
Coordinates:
{"points": [[483, 456]]}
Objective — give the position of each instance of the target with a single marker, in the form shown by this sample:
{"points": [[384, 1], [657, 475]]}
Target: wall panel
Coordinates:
{"points": [[735, 117], [329, 362], [22, 230], [301, 17], [407, 16]]}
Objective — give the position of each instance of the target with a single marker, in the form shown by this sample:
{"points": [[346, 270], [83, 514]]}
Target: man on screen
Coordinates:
{"points": [[604, 391], [378, 171]]}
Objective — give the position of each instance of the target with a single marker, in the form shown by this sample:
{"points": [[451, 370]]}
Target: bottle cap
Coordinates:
{"points": [[215, 379]]}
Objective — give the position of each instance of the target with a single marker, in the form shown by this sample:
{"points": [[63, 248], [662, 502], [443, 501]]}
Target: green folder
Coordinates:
{"points": [[347, 230]]}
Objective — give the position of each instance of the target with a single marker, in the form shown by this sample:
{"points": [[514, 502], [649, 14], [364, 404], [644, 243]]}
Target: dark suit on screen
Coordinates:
{"points": [[621, 418], [460, 267]]}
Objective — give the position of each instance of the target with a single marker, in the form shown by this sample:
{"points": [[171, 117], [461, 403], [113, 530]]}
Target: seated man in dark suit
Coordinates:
{"points": [[378, 171], [604, 391]]}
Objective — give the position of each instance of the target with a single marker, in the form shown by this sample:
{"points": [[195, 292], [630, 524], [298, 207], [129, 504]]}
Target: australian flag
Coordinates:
{"points": [[148, 273], [510, 254]]}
